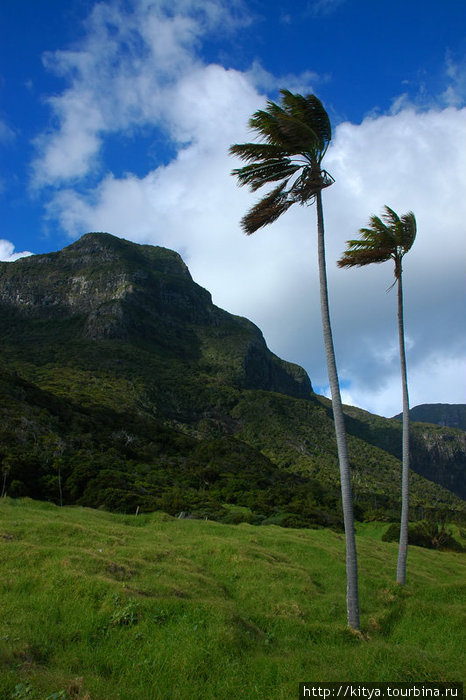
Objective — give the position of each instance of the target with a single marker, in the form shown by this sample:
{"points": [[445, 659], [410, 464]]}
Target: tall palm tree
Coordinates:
{"points": [[390, 238], [294, 137]]}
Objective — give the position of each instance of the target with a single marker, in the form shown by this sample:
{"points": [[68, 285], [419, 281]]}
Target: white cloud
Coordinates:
{"points": [[438, 378], [303, 83], [7, 134], [455, 92], [122, 77], [410, 160], [7, 253], [324, 6]]}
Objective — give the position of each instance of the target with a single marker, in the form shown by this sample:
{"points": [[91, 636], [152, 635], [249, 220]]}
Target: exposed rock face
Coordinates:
{"points": [[444, 414], [139, 293], [440, 455], [99, 269]]}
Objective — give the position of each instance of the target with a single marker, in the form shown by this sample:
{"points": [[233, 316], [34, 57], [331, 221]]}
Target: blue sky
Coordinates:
{"points": [[117, 116]]}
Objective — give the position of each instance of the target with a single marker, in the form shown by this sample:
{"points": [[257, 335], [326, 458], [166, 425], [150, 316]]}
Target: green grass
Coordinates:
{"points": [[97, 606]]}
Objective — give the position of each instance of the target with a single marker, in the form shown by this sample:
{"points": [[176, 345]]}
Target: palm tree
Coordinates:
{"points": [[385, 238], [294, 137]]}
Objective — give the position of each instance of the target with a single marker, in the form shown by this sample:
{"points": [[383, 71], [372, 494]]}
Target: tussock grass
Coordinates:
{"points": [[97, 606]]}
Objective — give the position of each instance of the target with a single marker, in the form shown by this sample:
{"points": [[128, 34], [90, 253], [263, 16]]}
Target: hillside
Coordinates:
{"points": [[123, 386], [443, 414], [98, 606]]}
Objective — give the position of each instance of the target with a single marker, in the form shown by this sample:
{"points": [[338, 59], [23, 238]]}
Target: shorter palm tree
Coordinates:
{"points": [[390, 238]]}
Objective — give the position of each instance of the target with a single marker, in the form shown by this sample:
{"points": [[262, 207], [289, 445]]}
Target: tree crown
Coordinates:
{"points": [[387, 237], [295, 136]]}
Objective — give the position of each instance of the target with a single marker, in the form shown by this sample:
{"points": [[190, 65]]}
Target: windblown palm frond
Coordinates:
{"points": [[358, 257], [258, 151], [260, 173], [267, 210], [310, 112], [409, 229]]}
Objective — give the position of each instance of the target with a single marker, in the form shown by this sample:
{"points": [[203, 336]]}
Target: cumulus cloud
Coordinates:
{"points": [[7, 134], [455, 92], [7, 252], [144, 69], [123, 76], [323, 6]]}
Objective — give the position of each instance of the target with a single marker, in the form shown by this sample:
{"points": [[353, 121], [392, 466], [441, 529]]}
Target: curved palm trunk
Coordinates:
{"points": [[403, 546], [352, 596]]}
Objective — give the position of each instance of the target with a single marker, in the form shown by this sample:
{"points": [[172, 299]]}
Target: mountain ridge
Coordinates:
{"points": [[152, 296], [139, 391], [443, 414]]}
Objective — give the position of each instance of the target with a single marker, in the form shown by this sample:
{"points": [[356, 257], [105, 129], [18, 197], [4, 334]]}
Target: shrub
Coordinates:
{"points": [[425, 534]]}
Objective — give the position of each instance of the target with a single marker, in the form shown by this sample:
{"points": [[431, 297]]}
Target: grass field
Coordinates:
{"points": [[97, 606]]}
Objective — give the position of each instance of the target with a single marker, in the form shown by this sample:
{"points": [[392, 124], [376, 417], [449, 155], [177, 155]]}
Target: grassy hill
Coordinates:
{"points": [[100, 606]]}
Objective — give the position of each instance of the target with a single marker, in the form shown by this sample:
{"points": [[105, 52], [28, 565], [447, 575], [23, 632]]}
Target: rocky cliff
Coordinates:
{"points": [[447, 415], [109, 288]]}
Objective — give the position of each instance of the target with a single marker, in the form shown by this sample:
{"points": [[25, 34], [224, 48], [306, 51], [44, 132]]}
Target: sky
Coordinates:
{"points": [[117, 116]]}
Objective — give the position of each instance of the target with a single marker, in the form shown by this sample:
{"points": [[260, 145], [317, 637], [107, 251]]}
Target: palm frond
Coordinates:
{"points": [[409, 230], [283, 131], [267, 210], [361, 257], [378, 235], [310, 111], [257, 151], [267, 125], [261, 173], [301, 125], [403, 228], [376, 228], [390, 217]]}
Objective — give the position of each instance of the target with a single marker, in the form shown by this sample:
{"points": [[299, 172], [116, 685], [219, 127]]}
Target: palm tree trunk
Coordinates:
{"points": [[352, 596], [403, 546], [60, 488]]}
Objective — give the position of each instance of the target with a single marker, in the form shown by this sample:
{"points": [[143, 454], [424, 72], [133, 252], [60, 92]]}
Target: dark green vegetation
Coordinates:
{"points": [[122, 386], [443, 414], [426, 534], [100, 606]]}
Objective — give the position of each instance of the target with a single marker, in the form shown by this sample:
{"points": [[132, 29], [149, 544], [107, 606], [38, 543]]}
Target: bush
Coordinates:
{"points": [[237, 517], [286, 520], [425, 534]]}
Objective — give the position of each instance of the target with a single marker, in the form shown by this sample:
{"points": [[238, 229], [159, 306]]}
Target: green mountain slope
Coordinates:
{"points": [[437, 453], [124, 386]]}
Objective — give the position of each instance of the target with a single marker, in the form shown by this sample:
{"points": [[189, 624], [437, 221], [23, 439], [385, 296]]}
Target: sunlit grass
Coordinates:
{"points": [[99, 606]]}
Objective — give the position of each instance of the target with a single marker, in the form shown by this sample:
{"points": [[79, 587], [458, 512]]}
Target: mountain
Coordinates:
{"points": [[103, 288], [124, 386], [443, 414]]}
